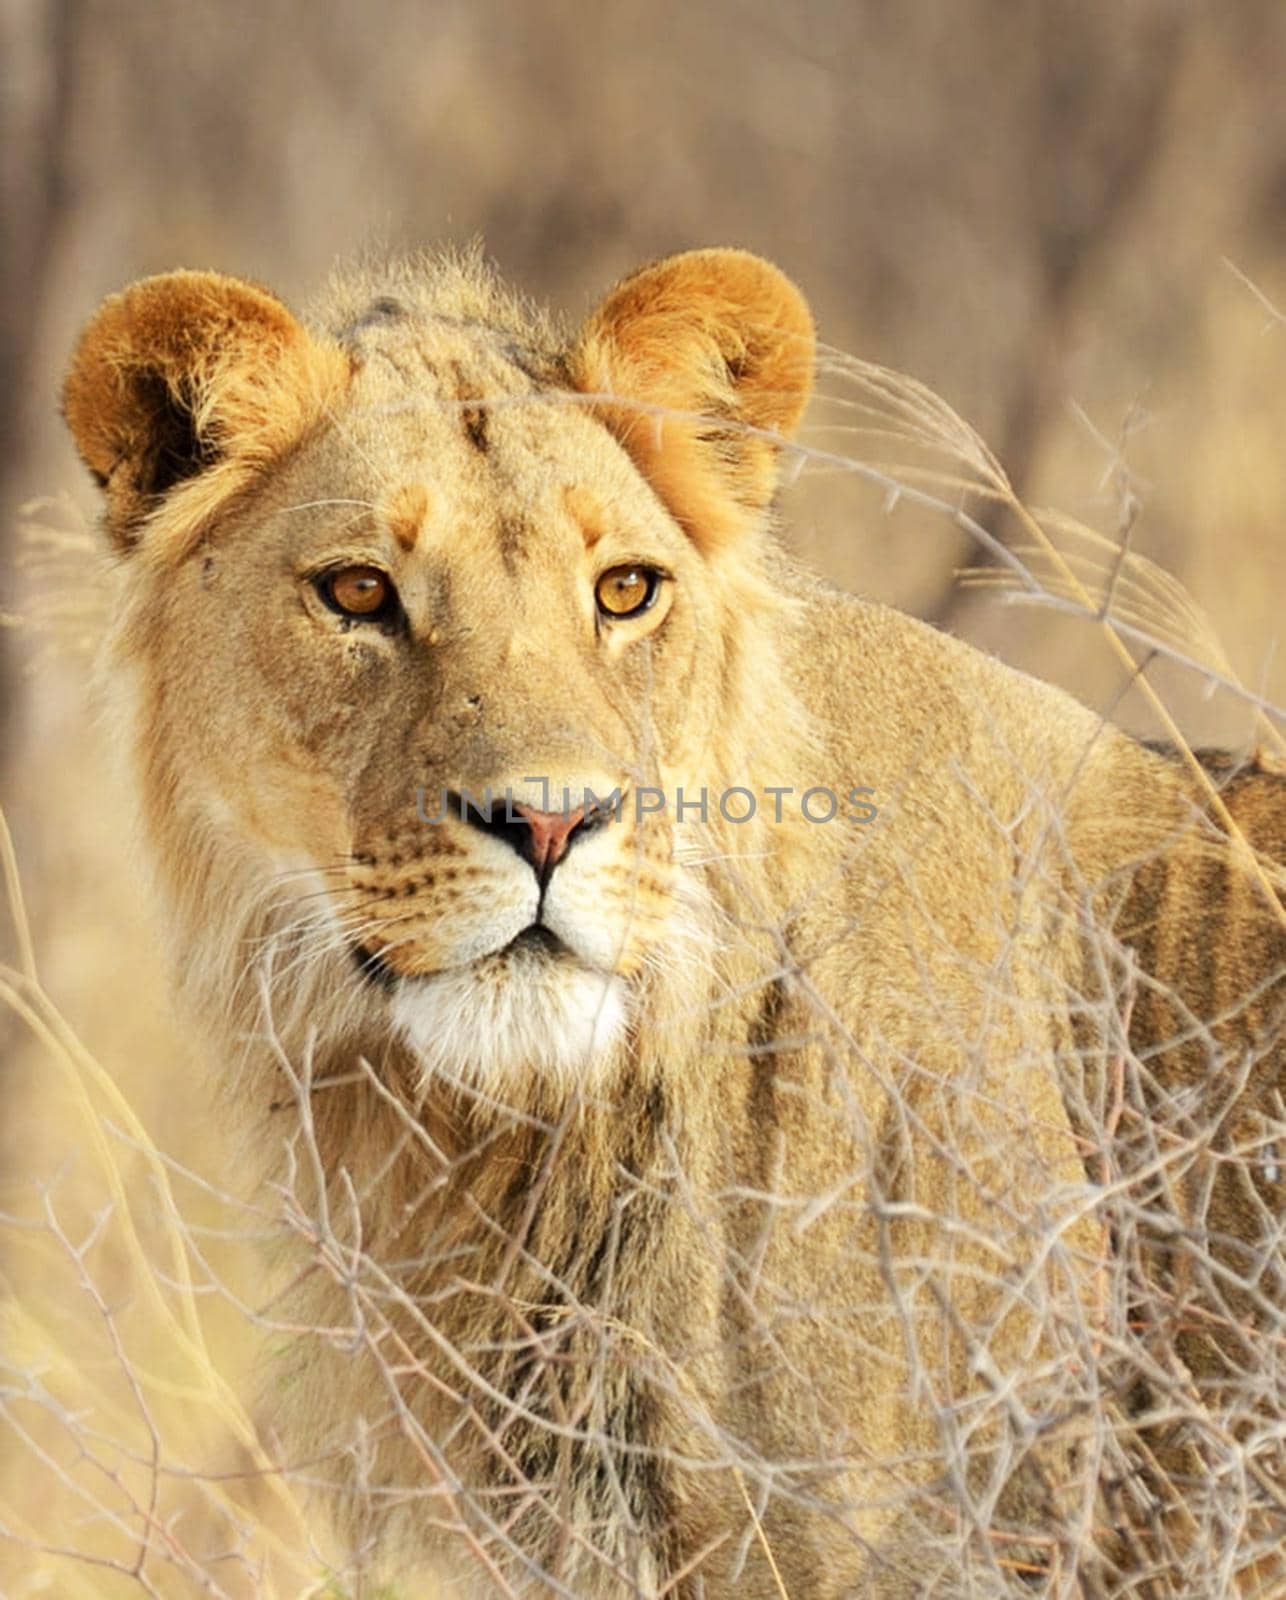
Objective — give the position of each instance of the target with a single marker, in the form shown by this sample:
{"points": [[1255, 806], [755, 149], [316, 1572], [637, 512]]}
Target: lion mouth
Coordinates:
{"points": [[537, 939], [531, 1005], [534, 942]]}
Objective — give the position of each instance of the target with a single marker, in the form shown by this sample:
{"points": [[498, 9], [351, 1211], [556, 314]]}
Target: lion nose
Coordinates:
{"points": [[541, 838], [545, 838]]}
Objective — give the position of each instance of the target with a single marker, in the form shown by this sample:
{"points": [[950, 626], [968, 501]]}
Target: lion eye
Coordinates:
{"points": [[359, 592], [625, 591]]}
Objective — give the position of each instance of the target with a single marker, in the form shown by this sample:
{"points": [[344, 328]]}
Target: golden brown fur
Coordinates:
{"points": [[743, 1242]]}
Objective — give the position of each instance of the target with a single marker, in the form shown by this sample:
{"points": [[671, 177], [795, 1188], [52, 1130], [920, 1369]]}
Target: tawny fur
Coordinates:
{"points": [[752, 1277]]}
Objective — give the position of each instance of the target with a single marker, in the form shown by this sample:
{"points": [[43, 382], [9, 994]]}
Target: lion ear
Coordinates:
{"points": [[700, 359], [190, 376]]}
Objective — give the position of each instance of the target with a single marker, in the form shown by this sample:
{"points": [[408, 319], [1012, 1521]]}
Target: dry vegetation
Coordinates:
{"points": [[1033, 209]]}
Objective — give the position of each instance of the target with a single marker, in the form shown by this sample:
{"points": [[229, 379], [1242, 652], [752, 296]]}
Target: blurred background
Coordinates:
{"points": [[1068, 218]]}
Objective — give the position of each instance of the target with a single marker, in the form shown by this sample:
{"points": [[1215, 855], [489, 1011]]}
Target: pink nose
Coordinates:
{"points": [[548, 833]]}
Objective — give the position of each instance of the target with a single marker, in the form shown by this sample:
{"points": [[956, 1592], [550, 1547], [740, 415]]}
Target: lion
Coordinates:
{"points": [[741, 1065]]}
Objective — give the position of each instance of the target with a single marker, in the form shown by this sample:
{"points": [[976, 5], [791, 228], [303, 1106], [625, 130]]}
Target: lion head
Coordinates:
{"points": [[442, 618]]}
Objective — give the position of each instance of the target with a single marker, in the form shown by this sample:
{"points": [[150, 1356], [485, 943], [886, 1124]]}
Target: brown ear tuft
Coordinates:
{"points": [[701, 355], [186, 374]]}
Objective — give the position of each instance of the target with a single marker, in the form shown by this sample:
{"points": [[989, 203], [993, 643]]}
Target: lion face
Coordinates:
{"points": [[458, 768], [436, 631]]}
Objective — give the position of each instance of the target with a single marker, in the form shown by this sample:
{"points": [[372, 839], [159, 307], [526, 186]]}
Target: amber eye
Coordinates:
{"points": [[625, 591], [364, 592]]}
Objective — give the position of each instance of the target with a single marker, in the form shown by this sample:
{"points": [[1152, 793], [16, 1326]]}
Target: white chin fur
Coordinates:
{"points": [[495, 1026]]}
